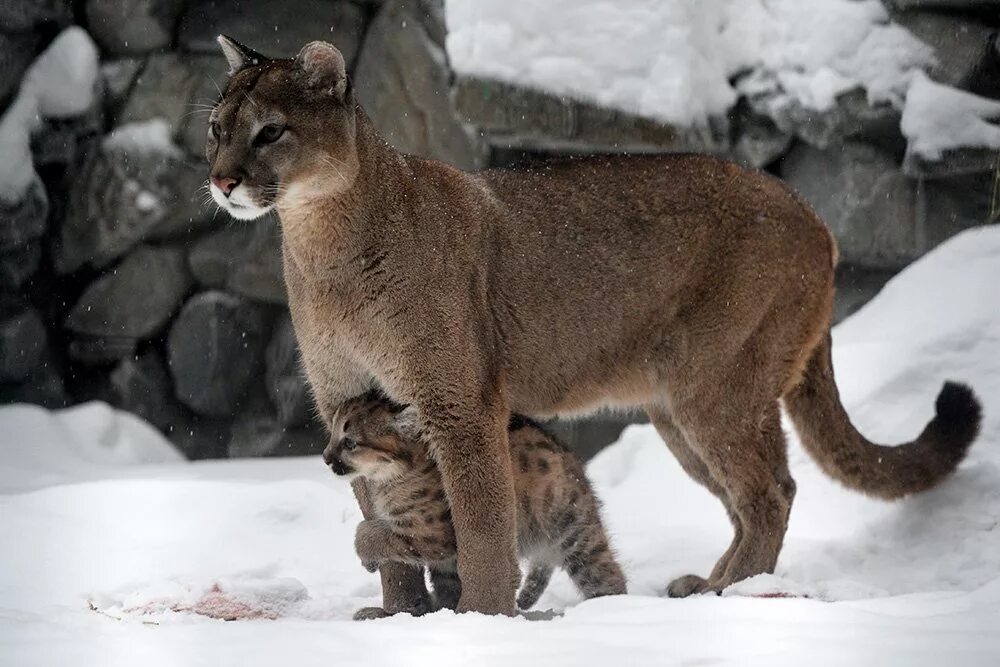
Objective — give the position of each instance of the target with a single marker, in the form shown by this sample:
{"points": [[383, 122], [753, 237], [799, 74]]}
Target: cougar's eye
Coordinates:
{"points": [[350, 444], [269, 134], [214, 127]]}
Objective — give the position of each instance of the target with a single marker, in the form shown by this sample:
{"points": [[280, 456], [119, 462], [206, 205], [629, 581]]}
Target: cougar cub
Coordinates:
{"points": [[558, 521]]}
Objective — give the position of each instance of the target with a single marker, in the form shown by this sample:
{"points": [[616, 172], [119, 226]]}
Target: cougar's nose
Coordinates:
{"points": [[226, 184]]}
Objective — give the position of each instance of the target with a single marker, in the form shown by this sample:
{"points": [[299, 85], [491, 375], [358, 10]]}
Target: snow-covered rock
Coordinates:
{"points": [[949, 131]]}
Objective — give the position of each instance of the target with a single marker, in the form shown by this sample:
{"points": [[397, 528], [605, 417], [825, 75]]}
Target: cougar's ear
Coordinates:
{"points": [[324, 66], [237, 55]]}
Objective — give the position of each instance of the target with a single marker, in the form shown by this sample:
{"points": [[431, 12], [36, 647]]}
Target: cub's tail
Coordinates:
{"points": [[534, 585], [885, 472]]}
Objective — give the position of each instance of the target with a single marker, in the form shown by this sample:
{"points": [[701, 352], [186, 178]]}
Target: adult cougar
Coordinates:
{"points": [[684, 284]]}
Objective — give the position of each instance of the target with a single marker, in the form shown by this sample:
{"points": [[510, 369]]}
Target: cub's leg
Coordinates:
{"points": [[376, 542], [698, 471], [748, 458], [587, 557], [469, 443], [534, 585], [403, 587], [447, 587]]}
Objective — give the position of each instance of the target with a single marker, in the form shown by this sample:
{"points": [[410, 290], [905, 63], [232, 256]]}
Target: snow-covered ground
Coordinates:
{"points": [[112, 550]]}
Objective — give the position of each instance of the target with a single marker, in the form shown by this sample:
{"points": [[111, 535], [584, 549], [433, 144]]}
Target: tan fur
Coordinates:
{"points": [[681, 283], [558, 518]]}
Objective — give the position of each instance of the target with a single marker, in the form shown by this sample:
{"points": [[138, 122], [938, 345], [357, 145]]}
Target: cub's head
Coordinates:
{"points": [[283, 129], [375, 439]]}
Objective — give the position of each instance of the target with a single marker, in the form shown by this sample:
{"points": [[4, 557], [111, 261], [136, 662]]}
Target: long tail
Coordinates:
{"points": [[534, 586], [877, 470]]}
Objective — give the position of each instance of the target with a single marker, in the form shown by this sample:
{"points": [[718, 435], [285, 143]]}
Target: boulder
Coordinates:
{"points": [[130, 303], [257, 432], [759, 142], [179, 89], [276, 29], [128, 27], [17, 51], [862, 194], [244, 258], [215, 348], [26, 15], [135, 186], [18, 263], [882, 219], [403, 83], [200, 437], [852, 117], [22, 344], [24, 221], [286, 381], [117, 78], [43, 386], [960, 43], [142, 386]]}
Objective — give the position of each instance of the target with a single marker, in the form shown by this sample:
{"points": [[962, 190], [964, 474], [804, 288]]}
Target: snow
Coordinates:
{"points": [[938, 118], [681, 56], [148, 136], [59, 84], [136, 565]]}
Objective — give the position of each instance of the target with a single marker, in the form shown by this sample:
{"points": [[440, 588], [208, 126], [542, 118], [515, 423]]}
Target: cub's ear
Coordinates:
{"points": [[324, 66], [237, 55]]}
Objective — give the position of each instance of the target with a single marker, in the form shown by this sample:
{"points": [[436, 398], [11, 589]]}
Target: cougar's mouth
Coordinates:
{"points": [[239, 203]]}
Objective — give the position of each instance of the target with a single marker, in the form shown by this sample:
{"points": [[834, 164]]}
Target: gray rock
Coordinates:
{"points": [[25, 15], [759, 142], [244, 258], [852, 117], [200, 437], [134, 300], [286, 381], [142, 386], [276, 29], [57, 142], [117, 78], [953, 162], [18, 263], [22, 344], [133, 187], [862, 194], [856, 286], [256, 432], [525, 119], [215, 348], [959, 42], [126, 27], [984, 79], [43, 386], [985, 6], [180, 89], [17, 51], [882, 219], [24, 221], [403, 83]]}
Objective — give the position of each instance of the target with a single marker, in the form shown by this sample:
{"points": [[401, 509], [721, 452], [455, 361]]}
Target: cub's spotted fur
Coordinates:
{"points": [[558, 521]]}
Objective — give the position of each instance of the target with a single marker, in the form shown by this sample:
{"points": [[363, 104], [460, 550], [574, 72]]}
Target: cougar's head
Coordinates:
{"points": [[283, 129]]}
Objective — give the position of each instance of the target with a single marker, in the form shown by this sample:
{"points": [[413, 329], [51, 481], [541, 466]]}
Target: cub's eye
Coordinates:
{"points": [[214, 127], [350, 444], [269, 134]]}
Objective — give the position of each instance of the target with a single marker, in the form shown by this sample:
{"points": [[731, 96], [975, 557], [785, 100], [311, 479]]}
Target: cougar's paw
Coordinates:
{"points": [[370, 614], [369, 543], [689, 584]]}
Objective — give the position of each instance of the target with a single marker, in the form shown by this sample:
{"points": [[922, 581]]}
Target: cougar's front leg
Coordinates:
{"points": [[469, 441], [403, 587]]}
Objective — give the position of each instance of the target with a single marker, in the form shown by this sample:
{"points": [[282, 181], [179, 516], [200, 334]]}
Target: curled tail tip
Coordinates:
{"points": [[958, 414]]}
